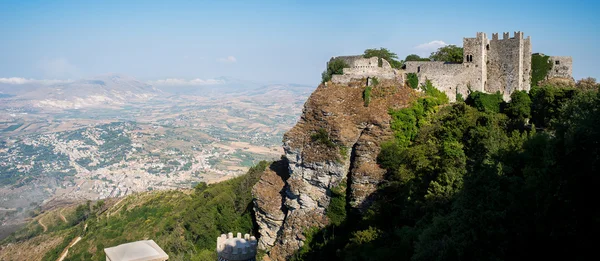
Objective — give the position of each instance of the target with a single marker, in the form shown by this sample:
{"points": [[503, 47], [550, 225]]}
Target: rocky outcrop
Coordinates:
{"points": [[318, 162], [268, 203]]}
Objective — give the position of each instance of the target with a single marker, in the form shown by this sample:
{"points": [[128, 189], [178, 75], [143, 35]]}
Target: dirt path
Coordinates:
{"points": [[109, 213], [42, 224], [62, 217], [66, 251]]}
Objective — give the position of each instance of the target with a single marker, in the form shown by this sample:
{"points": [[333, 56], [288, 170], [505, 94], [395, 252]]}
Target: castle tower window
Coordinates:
{"points": [[419, 69], [557, 62], [487, 47]]}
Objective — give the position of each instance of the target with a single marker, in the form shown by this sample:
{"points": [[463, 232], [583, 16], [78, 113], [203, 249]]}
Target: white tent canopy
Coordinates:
{"points": [[145, 250]]}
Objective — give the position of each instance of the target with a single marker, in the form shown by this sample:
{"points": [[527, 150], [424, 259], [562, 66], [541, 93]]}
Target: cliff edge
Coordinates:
{"points": [[336, 140]]}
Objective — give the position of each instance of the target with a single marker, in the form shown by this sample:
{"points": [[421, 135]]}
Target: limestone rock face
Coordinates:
{"points": [[268, 204], [316, 164]]}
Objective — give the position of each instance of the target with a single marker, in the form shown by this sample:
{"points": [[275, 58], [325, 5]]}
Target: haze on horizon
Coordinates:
{"points": [[196, 42]]}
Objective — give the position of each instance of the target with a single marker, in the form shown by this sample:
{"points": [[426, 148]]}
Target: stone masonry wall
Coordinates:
{"points": [[562, 67], [451, 78], [508, 68], [363, 68]]}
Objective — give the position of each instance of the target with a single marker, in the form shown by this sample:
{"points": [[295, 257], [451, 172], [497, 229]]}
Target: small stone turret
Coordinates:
{"points": [[231, 248]]}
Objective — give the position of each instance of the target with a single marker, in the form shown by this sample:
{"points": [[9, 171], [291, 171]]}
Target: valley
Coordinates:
{"points": [[51, 157]]}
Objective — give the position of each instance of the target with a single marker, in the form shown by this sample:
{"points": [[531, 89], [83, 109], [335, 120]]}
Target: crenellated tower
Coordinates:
{"points": [[475, 60], [508, 64], [231, 248]]}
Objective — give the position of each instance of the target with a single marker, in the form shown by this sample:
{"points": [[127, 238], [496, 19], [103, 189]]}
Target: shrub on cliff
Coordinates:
{"points": [[367, 95], [322, 137], [333, 67], [413, 80]]}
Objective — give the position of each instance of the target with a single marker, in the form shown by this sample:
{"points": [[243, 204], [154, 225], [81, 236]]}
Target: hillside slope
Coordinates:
{"points": [[185, 223]]}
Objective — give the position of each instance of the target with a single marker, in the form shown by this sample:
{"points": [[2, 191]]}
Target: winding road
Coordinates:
{"points": [[42, 224]]}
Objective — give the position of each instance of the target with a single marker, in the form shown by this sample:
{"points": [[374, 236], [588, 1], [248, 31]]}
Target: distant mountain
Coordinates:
{"points": [[103, 91], [221, 85]]}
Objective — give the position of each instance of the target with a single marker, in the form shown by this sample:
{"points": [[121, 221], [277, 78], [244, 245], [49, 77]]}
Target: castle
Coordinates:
{"points": [[489, 65]]}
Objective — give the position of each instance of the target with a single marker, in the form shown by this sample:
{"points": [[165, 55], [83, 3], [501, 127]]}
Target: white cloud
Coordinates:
{"points": [[228, 59], [431, 46], [183, 82], [19, 81]]}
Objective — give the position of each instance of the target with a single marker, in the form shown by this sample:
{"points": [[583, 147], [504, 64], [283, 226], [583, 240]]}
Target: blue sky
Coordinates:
{"points": [[267, 41]]}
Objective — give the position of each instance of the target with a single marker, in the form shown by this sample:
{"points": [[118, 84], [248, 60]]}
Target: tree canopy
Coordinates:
{"points": [[448, 53], [385, 54], [463, 183], [333, 67], [414, 57]]}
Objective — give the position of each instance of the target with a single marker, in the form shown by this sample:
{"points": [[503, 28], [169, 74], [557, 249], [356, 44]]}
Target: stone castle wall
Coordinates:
{"points": [[451, 78], [474, 61], [562, 67], [489, 65], [364, 68]]}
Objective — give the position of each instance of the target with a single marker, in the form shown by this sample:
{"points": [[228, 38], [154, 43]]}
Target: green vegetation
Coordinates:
{"points": [[540, 66], [336, 211], [448, 53], [367, 95], [383, 53], [459, 97], [414, 57], [185, 225], [322, 137], [588, 84], [546, 103], [413, 80], [333, 67], [519, 108], [374, 81], [463, 183], [485, 102], [344, 152], [406, 122]]}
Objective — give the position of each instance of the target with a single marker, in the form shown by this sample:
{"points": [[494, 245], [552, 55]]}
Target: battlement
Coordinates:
{"points": [[231, 248], [518, 35]]}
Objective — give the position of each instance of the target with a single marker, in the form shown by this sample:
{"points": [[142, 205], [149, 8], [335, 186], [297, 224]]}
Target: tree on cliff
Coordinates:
{"points": [[333, 67], [384, 53], [448, 53]]}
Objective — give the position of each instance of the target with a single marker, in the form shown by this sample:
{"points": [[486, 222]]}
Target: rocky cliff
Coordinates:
{"points": [[336, 140]]}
